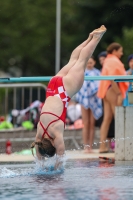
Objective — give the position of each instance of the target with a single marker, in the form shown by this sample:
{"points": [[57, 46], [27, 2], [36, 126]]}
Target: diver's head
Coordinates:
{"points": [[45, 148]]}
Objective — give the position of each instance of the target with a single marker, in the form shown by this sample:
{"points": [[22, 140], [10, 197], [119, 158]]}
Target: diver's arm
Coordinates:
{"points": [[60, 151], [38, 154], [59, 144]]}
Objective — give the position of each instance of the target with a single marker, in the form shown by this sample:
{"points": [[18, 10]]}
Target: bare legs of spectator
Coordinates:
{"points": [[110, 101], [88, 129]]}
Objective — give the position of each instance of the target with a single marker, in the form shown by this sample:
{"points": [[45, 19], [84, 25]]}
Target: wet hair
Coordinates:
{"points": [[45, 148], [113, 46]]}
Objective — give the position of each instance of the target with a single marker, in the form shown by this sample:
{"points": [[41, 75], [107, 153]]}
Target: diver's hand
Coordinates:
{"points": [[59, 161], [58, 165]]}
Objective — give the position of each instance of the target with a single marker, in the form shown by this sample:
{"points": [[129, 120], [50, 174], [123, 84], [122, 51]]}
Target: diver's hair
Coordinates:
{"points": [[113, 46], [45, 148]]}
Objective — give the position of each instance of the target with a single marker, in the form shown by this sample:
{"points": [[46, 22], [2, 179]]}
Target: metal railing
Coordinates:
{"points": [[10, 93], [119, 78]]}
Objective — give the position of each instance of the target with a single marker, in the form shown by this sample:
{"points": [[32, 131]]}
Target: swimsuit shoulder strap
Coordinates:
{"points": [[50, 113], [45, 129]]}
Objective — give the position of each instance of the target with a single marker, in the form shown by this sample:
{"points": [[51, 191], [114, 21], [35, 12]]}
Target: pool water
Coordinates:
{"points": [[80, 179]]}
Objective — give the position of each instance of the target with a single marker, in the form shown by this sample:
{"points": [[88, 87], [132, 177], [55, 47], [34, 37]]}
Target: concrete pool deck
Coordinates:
{"points": [[77, 154]]}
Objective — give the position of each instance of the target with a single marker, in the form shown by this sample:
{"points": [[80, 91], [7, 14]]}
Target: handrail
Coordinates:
{"points": [[25, 85], [21, 86], [125, 78]]}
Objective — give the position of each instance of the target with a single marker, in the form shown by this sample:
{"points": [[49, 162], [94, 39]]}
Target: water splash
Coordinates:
{"points": [[47, 166], [40, 167], [113, 140], [50, 166], [4, 172], [86, 145]]}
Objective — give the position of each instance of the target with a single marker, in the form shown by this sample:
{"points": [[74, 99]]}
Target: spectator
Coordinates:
{"points": [[130, 63], [101, 57], [111, 132], [129, 72], [112, 93], [91, 105]]}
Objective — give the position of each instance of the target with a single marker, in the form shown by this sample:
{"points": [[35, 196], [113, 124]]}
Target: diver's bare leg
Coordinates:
{"points": [[74, 57], [74, 79]]}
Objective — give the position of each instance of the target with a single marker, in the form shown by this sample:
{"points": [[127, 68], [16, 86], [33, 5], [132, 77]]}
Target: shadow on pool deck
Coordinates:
{"points": [[75, 154]]}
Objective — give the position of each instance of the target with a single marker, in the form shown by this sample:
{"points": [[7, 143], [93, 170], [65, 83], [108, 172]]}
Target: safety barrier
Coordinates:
{"points": [[10, 91], [20, 137], [124, 78]]}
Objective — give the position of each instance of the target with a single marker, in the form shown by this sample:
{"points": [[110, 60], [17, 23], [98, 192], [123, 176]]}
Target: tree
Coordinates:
{"points": [[89, 14], [27, 36], [126, 42]]}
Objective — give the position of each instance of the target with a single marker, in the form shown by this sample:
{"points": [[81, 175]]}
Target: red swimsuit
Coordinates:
{"points": [[56, 88]]}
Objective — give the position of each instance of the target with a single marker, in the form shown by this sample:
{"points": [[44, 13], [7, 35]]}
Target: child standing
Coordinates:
{"points": [[91, 105]]}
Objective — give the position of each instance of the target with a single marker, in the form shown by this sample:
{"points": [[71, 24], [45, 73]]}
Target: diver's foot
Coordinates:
{"points": [[90, 37], [98, 33]]}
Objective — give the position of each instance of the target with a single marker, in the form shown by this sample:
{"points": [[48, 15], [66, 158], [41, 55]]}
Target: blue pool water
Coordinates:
{"points": [[80, 179]]}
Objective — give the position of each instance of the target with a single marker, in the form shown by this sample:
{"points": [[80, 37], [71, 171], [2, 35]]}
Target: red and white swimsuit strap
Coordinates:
{"points": [[45, 129]]}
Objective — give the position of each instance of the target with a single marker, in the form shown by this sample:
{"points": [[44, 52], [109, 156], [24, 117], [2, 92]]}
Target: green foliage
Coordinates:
{"points": [[89, 14], [27, 36], [126, 42]]}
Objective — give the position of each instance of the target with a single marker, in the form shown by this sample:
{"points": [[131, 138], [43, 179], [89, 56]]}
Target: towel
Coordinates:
{"points": [[87, 95], [112, 66]]}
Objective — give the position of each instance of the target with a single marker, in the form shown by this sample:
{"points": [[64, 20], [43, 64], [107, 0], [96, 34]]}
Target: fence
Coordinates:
{"points": [[15, 96]]}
